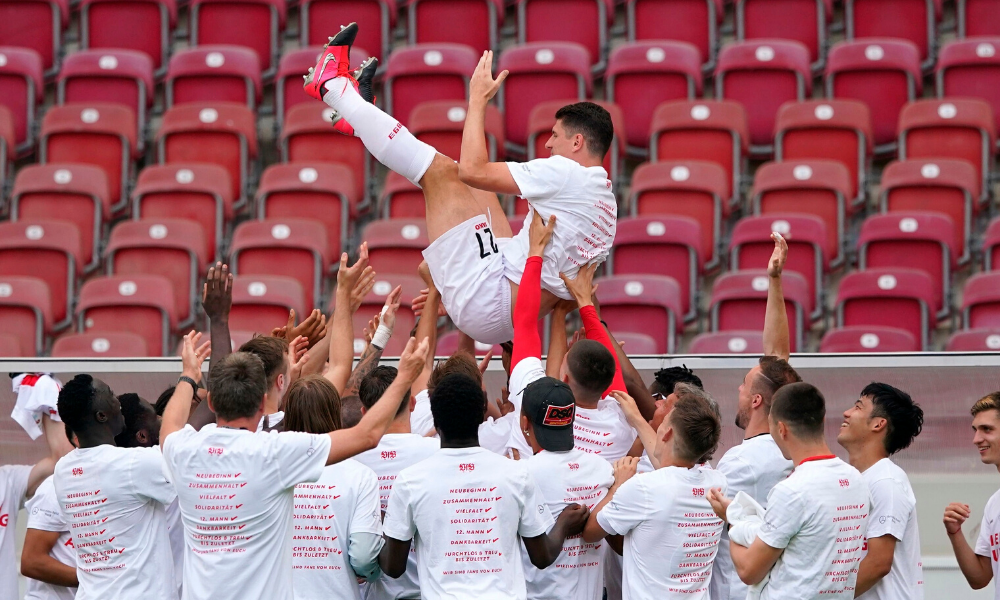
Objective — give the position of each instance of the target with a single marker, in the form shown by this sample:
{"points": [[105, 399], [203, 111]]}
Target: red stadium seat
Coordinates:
{"points": [[583, 22], [439, 123], [649, 304], [297, 248], [981, 301], [21, 90], [76, 193], [977, 18], [375, 19], [36, 25], [401, 199], [710, 130], [727, 342], [288, 90], [10, 346], [642, 75], [48, 250], [26, 312], [739, 299], [539, 72], [214, 73], [750, 247], [220, 133], [417, 74], [991, 246], [911, 20], [882, 73], [941, 185], [375, 300], [145, 26], [308, 137], [8, 147], [900, 298], [815, 187], [196, 192], [975, 340], [786, 20], [971, 68], [174, 248], [863, 338], [100, 344], [676, 243], [763, 75], [121, 76], [434, 22], [694, 21], [320, 192], [543, 117], [635, 343], [447, 345], [98, 133], [839, 130], [142, 304], [695, 189], [924, 241], [396, 245], [262, 302], [960, 128], [256, 24]]}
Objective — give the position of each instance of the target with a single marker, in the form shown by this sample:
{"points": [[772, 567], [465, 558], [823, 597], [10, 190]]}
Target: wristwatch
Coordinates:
{"points": [[194, 384]]}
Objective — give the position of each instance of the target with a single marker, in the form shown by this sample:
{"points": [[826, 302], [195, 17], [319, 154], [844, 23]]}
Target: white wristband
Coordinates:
{"points": [[381, 337]]}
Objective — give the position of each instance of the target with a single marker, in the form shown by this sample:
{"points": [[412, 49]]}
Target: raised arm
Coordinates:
{"points": [[977, 569], [558, 342], [346, 443], [474, 167], [634, 384], [55, 439], [527, 343], [373, 353], [426, 329], [217, 299], [178, 408], [582, 288], [36, 563], [348, 301], [775, 320]]}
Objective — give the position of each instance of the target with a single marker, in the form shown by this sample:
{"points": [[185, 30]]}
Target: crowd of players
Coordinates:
{"points": [[292, 473]]}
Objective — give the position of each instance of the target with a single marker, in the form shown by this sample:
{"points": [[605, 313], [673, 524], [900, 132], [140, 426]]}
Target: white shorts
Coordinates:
{"points": [[466, 264]]}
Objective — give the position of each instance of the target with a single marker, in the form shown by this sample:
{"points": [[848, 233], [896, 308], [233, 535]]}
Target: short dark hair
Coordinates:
{"points": [[775, 373], [164, 400], [802, 408], [591, 365], [904, 417], [374, 385], [461, 363], [76, 401], [350, 411], [591, 121], [272, 352], [664, 380], [237, 386], [312, 405], [132, 411], [696, 422], [458, 407]]}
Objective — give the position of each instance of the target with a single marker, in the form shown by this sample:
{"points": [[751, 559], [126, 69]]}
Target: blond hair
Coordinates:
{"points": [[988, 402]]}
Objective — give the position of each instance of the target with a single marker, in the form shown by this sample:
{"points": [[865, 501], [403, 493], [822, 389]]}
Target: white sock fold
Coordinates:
{"points": [[388, 141]]}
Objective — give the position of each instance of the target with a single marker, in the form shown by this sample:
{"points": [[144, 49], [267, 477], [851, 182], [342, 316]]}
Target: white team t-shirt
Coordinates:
{"points": [[988, 543], [273, 420], [44, 514], [421, 419], [175, 531], [819, 516], [602, 431], [13, 487], [894, 512], [395, 452], [564, 478], [586, 209], [752, 467], [465, 509], [235, 490], [114, 501], [344, 501], [671, 533]]}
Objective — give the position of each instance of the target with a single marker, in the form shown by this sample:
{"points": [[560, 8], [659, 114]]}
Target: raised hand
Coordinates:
{"points": [[418, 304], [361, 288], [411, 362], [777, 261], [392, 302], [624, 468], [955, 514], [482, 86], [628, 406], [217, 293], [312, 328], [582, 286], [720, 503], [349, 278], [297, 357], [193, 355], [372, 327], [539, 234]]}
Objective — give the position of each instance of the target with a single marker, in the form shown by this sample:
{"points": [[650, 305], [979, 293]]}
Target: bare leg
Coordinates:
{"points": [[450, 202]]}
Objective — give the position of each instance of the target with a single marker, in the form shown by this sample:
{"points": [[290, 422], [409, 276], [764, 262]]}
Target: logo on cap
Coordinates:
{"points": [[558, 416]]}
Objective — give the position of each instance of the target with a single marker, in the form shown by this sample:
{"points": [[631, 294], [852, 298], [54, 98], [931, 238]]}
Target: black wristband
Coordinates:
{"points": [[194, 384]]}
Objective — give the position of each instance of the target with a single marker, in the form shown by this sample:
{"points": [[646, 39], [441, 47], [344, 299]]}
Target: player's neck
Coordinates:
{"points": [[865, 454], [272, 401], [92, 438], [801, 450], [248, 423], [472, 442], [400, 424], [758, 424]]}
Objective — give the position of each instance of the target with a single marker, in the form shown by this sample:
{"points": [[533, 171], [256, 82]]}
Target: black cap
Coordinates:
{"points": [[550, 406]]}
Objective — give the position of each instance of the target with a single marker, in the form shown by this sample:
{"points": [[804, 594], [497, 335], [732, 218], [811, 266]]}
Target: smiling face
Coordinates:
{"points": [[986, 426], [857, 422]]}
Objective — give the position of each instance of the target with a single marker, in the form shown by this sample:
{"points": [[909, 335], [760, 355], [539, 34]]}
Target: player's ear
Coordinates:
{"points": [[524, 423], [413, 403], [879, 424]]}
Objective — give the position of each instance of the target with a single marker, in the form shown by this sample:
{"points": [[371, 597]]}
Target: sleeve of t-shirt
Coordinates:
{"points": [[539, 179], [627, 509], [784, 517], [300, 456], [890, 507], [535, 516], [421, 419], [171, 445], [985, 530], [14, 479], [44, 513], [147, 477], [398, 522], [367, 517]]}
